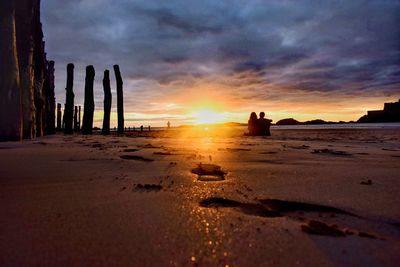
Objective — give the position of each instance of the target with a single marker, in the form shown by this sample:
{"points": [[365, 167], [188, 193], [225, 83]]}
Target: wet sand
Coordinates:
{"points": [[202, 197]]}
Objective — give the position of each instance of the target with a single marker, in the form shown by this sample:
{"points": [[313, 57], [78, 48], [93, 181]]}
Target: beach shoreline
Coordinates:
{"points": [[135, 200]]}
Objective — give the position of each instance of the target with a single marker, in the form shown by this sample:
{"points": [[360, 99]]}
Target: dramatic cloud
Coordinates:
{"points": [[329, 59]]}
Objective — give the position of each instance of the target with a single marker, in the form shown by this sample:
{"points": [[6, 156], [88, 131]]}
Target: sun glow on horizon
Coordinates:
{"points": [[207, 116], [207, 112]]}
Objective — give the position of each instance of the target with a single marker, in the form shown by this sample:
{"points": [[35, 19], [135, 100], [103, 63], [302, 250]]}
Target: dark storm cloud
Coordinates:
{"points": [[304, 45]]}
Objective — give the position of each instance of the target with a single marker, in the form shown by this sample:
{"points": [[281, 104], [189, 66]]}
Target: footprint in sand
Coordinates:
{"points": [[149, 146], [98, 145], [209, 172], [135, 157], [147, 188], [389, 149], [162, 153], [272, 208], [234, 149], [269, 152], [326, 151], [131, 150], [367, 182], [315, 227], [248, 144], [319, 228], [296, 147]]}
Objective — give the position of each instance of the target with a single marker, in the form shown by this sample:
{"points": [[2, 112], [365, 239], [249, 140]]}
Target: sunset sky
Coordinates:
{"points": [[183, 61]]}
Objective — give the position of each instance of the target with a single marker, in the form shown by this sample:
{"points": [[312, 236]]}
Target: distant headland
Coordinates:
{"points": [[390, 113]]}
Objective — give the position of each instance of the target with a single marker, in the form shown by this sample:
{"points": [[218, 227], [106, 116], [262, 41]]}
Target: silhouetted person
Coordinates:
{"points": [[141, 128], [263, 125], [168, 124], [253, 124], [149, 128]]}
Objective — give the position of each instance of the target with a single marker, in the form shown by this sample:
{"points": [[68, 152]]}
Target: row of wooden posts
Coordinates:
{"points": [[69, 119], [77, 122], [27, 101], [77, 119]]}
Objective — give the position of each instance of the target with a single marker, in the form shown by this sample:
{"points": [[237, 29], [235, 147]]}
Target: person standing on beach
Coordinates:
{"points": [[264, 125], [253, 124]]}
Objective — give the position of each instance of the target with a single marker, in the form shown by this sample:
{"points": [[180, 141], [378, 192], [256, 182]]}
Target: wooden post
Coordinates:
{"points": [[63, 119], [88, 107], [79, 118], [39, 69], [39, 103], [59, 117], [51, 100], [120, 99], [69, 102], [10, 90], [107, 102], [76, 127], [24, 12]]}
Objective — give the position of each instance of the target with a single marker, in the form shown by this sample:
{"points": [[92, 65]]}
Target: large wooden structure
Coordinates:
{"points": [[27, 106]]}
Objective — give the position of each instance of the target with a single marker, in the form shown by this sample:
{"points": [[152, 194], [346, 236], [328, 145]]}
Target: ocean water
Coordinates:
{"points": [[343, 126], [392, 125]]}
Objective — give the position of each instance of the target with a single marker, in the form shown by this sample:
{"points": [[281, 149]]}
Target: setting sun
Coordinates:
{"points": [[207, 116], [206, 111]]}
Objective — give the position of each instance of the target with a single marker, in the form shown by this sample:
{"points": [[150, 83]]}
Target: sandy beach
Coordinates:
{"points": [[301, 197]]}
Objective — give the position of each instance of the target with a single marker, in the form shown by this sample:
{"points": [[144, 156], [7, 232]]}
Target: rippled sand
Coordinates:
{"points": [[305, 197]]}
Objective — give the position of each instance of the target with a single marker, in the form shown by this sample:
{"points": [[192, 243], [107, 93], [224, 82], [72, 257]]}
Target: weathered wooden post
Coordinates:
{"points": [[120, 99], [79, 118], [76, 127], [24, 12], [59, 117], [63, 119], [88, 107], [39, 104], [39, 68], [51, 100], [10, 90], [69, 102], [107, 102]]}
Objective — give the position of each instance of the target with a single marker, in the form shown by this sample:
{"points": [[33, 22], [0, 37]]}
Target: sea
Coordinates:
{"points": [[392, 125]]}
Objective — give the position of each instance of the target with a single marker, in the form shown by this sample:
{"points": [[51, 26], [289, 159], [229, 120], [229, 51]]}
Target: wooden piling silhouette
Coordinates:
{"points": [[120, 99], [79, 117], [107, 102], [51, 100], [63, 119], [25, 90], [88, 108], [76, 125], [10, 90], [69, 102], [25, 51], [59, 119]]}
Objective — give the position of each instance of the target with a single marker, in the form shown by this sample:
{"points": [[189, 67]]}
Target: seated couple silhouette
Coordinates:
{"points": [[259, 126]]}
